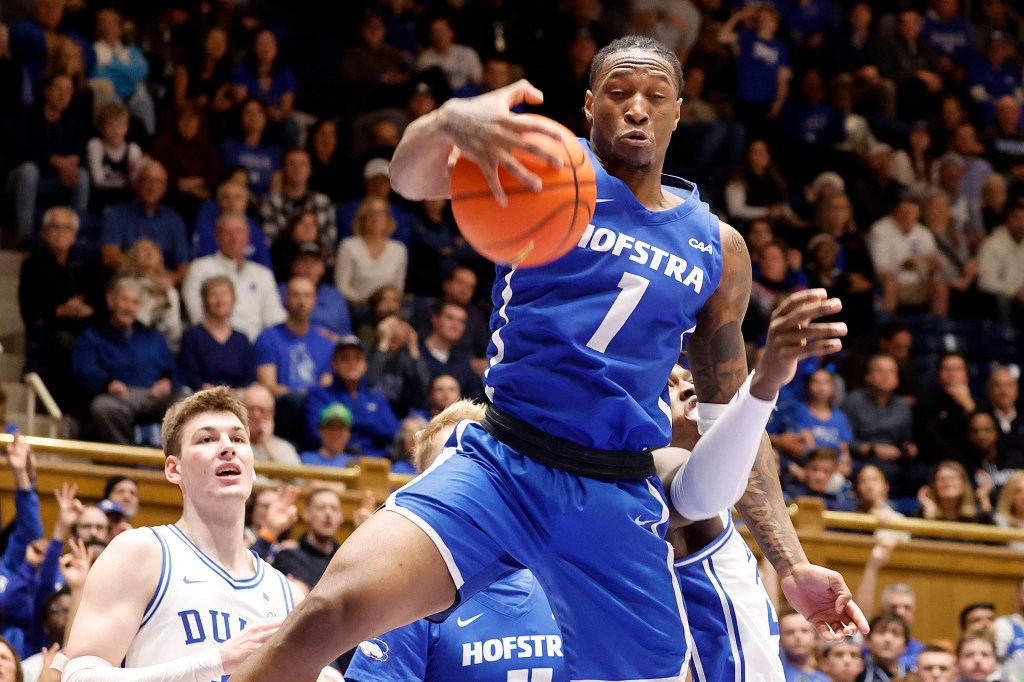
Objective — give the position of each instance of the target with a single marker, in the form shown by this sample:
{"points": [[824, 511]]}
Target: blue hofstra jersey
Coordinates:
{"points": [[582, 347]]}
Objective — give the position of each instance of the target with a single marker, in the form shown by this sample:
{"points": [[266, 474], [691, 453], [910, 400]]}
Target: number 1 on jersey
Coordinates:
{"points": [[632, 290]]}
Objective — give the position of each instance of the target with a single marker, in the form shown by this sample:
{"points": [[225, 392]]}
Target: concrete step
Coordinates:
{"points": [[42, 425], [17, 396], [11, 367]]}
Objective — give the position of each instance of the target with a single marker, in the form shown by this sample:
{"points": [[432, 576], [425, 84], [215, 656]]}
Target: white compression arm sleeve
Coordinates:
{"points": [[201, 667], [716, 474]]}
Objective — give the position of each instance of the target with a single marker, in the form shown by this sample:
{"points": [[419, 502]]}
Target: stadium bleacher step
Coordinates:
{"points": [[11, 367]]}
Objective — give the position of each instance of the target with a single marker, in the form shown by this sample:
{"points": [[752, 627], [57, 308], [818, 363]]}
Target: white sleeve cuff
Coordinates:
{"points": [[200, 667]]}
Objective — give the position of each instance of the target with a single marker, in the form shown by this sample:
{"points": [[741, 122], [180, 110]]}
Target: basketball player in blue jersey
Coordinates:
{"points": [[559, 476], [186, 602], [504, 632]]}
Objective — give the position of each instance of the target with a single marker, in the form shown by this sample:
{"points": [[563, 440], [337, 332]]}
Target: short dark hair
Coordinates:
{"points": [[636, 43], [886, 620], [824, 454], [442, 303], [966, 611]]}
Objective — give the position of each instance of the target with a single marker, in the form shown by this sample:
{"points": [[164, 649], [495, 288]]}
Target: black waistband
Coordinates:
{"points": [[559, 453]]}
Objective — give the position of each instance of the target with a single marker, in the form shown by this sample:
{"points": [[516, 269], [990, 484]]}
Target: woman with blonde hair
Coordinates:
{"points": [[1010, 506], [370, 259], [949, 496], [161, 304]]}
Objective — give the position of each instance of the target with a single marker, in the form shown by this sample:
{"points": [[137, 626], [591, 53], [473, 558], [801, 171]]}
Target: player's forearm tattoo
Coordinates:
{"points": [[764, 511], [720, 366]]}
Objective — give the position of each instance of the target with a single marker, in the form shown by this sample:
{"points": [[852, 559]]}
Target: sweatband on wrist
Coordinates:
{"points": [[716, 475], [203, 666]]}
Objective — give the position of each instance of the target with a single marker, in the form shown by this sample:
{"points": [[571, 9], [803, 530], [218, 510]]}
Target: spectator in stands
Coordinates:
{"points": [[1009, 511], [994, 75], [458, 284], [907, 59], [124, 66], [988, 459], [952, 38], [50, 146], [160, 307], [331, 314], [376, 68], [293, 356], [191, 160], [438, 348], [34, 40], [300, 229], [1002, 391], [976, 658], [1001, 266], [877, 192], [266, 447], [460, 63], [872, 491], [405, 443], [995, 197], [949, 496], [1004, 141], [213, 353], [1009, 631], [905, 258], [773, 281], [914, 166], [978, 616], [763, 67], [376, 184], [444, 391], [113, 160], [261, 161], [89, 94], [263, 76], [10, 80], [894, 340], [936, 664], [125, 367], [940, 417], [822, 423], [976, 169], [819, 471], [370, 259], [814, 128], [318, 544], [956, 268], [257, 304], [10, 661], [842, 661], [757, 189], [882, 424], [54, 615], [145, 216], [395, 367], [851, 60], [294, 196], [797, 640], [853, 278], [374, 424], [437, 248], [232, 197], [203, 79], [336, 446], [328, 167], [887, 643], [950, 172], [58, 295], [124, 491]]}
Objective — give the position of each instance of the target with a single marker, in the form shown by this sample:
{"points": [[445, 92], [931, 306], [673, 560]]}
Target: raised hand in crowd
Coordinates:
{"points": [[75, 565], [281, 514], [69, 507], [48, 674], [23, 463], [366, 509]]}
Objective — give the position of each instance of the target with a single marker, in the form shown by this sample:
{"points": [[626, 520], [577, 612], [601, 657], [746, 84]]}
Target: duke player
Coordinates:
{"points": [[505, 632], [559, 476], [186, 602]]}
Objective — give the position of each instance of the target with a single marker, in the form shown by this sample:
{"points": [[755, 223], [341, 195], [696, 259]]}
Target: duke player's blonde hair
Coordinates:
{"points": [[217, 399], [449, 416]]}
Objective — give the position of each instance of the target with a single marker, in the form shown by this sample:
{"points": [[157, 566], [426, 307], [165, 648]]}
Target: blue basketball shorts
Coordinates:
{"points": [[596, 547]]}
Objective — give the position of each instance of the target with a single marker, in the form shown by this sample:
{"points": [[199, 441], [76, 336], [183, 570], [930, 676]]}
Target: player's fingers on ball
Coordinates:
{"points": [[494, 184], [519, 171], [553, 160], [537, 124]]}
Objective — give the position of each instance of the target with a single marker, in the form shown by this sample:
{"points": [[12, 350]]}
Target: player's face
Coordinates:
{"points": [[216, 459], [936, 666], [634, 108], [796, 636], [843, 663], [977, 661]]}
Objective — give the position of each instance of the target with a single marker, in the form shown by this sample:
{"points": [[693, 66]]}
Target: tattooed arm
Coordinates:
{"points": [[717, 359]]}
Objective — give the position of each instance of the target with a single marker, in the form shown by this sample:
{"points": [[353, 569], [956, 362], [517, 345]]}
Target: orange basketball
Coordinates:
{"points": [[536, 227]]}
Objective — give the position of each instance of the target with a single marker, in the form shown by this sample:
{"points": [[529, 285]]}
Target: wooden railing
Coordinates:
{"points": [[946, 575]]}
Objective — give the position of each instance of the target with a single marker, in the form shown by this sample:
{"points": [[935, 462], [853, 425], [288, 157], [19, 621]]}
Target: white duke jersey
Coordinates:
{"points": [[504, 633], [198, 605], [733, 624], [582, 347]]}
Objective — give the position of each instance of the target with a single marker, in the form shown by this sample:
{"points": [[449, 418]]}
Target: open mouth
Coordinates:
{"points": [[637, 138], [228, 471]]}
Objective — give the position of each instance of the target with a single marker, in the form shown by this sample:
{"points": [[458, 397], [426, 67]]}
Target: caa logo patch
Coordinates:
{"points": [[376, 649], [700, 246]]}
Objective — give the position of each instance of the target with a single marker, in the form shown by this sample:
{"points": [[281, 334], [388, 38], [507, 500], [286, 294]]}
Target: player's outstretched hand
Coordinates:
{"points": [[485, 130], [234, 651], [792, 336], [822, 597]]}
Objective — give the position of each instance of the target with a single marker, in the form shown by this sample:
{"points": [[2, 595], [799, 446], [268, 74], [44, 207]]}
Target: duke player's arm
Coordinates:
{"points": [[481, 128]]}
